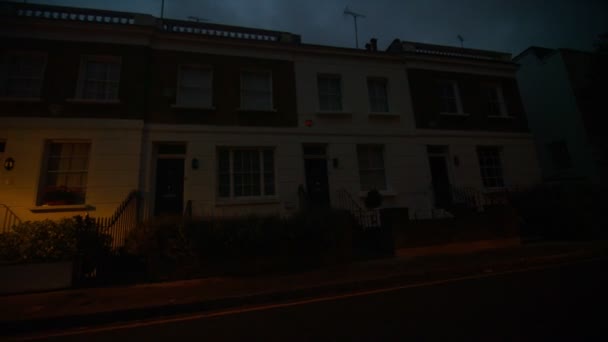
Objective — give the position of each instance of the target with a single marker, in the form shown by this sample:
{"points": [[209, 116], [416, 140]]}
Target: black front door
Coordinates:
{"points": [[169, 187], [441, 181], [317, 184]]}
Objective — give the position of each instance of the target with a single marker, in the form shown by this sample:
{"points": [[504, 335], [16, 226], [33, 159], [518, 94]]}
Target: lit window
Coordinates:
{"points": [[64, 178], [494, 100], [330, 93], [371, 167], [245, 172], [194, 88], [99, 78], [448, 97], [490, 166], [378, 95], [256, 90], [560, 155], [21, 74]]}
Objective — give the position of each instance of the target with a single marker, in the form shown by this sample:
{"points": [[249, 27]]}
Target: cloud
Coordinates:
{"points": [[503, 25]]}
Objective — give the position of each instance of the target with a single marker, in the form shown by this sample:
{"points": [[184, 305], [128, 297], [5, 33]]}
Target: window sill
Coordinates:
{"points": [[331, 112], [387, 114], [60, 208], [246, 201], [453, 114], [384, 193], [91, 101], [178, 106], [20, 99], [507, 117], [257, 110]]}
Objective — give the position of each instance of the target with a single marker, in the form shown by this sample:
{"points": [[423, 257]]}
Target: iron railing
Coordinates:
{"points": [[188, 209], [8, 219], [224, 31], [73, 14], [303, 198], [88, 15], [125, 218], [473, 198], [365, 217]]}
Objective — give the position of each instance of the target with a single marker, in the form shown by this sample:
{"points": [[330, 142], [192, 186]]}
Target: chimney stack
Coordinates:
{"points": [[374, 44]]}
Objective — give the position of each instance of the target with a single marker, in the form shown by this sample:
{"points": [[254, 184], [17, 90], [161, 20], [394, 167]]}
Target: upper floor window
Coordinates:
{"points": [[194, 86], [256, 90], [21, 74], [378, 95], [449, 99], [494, 100], [99, 78], [330, 93], [64, 176], [490, 165], [371, 167], [245, 172]]}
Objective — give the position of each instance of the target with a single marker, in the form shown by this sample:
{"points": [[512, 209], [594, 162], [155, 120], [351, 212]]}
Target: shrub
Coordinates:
{"points": [[47, 241], [243, 243]]}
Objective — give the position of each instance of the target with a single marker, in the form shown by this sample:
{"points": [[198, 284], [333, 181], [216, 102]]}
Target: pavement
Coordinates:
{"points": [[92, 306]]}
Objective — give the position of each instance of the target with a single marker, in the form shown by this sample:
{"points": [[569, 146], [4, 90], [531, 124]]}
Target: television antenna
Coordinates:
{"points": [[461, 40], [355, 15]]}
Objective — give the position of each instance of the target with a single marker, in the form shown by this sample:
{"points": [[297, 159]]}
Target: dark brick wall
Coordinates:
{"points": [[425, 98], [61, 80], [226, 91], [148, 82]]}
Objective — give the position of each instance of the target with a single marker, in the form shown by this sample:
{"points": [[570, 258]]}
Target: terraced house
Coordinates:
{"points": [[219, 120]]}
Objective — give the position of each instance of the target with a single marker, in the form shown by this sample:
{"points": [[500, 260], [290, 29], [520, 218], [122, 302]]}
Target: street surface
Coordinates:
{"points": [[566, 302]]}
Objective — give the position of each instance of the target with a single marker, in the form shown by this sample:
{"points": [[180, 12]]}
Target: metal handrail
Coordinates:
{"points": [[9, 220], [125, 218], [365, 217]]}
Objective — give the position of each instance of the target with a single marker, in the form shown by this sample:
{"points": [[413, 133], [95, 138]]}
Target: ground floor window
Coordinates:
{"points": [[371, 167], [491, 166], [246, 172], [64, 175]]}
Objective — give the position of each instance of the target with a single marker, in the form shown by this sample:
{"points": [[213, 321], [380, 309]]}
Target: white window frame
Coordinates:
{"points": [[6, 74], [82, 77], [262, 172], [369, 148], [500, 100], [180, 103], [244, 106], [384, 82], [45, 169], [456, 91], [339, 95], [500, 167]]}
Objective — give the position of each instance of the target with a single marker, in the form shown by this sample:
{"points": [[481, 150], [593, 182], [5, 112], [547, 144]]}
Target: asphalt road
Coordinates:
{"points": [[568, 302]]}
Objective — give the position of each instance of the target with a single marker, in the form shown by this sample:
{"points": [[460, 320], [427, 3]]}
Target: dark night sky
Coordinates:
{"points": [[503, 25]]}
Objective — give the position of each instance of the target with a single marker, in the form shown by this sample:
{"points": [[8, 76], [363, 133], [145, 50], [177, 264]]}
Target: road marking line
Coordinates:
{"points": [[236, 311]]}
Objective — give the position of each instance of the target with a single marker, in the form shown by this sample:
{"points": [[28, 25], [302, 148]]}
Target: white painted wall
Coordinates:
{"points": [[200, 186], [113, 165], [356, 118]]}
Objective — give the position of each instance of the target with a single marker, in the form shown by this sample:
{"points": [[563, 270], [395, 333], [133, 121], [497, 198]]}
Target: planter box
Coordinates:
{"points": [[35, 277]]}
